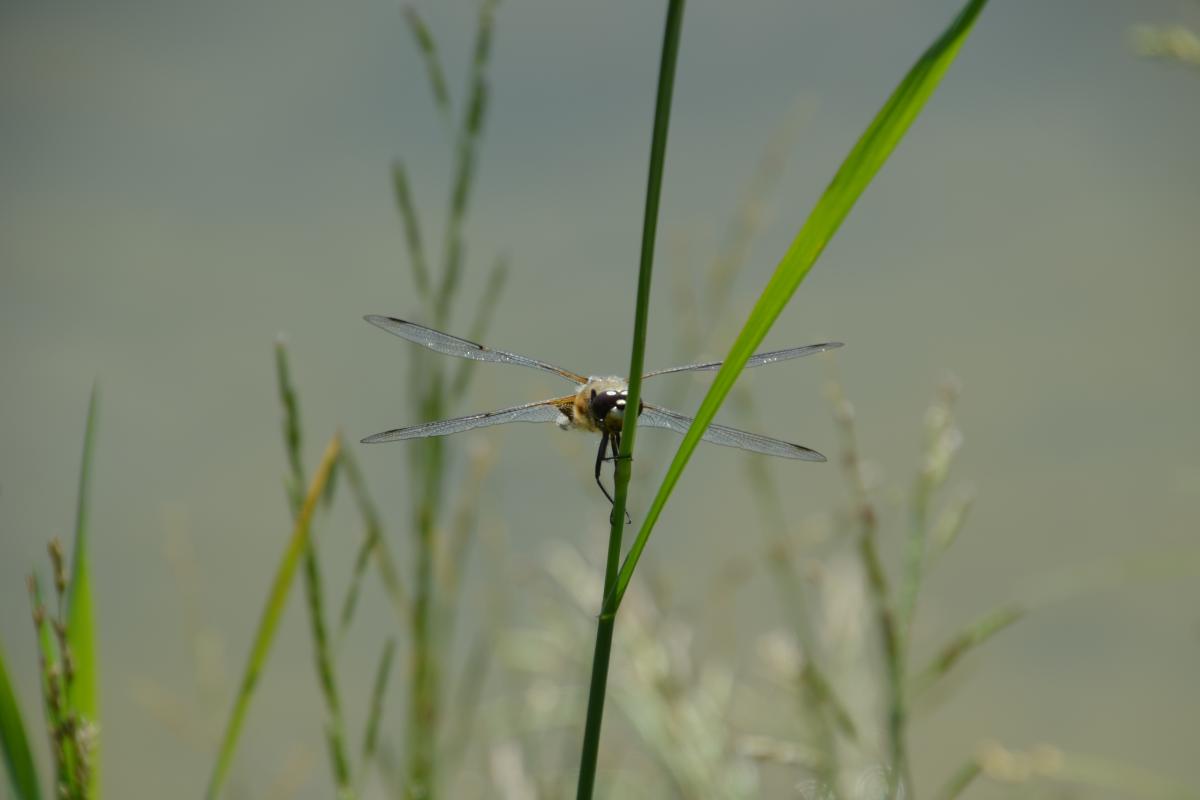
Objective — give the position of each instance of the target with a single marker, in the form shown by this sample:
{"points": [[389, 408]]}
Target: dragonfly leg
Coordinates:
{"points": [[600, 459], [616, 447]]}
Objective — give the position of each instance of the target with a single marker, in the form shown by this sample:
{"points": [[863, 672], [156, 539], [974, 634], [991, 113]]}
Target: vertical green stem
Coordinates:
{"points": [[313, 582], [891, 646], [624, 462], [423, 712]]}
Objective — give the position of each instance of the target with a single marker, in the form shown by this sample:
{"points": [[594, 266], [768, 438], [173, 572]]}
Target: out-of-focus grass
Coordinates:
{"points": [[1169, 42], [375, 711], [374, 544], [14, 741], [68, 669], [83, 697], [314, 591], [434, 391], [271, 616]]}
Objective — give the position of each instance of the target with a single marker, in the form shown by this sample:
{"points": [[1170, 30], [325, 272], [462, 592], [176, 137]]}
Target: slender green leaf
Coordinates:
{"points": [[856, 172], [84, 688], [14, 742], [272, 613]]}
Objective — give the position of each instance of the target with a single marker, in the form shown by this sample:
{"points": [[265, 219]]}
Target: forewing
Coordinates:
{"points": [[656, 417], [542, 411], [757, 360], [461, 348]]}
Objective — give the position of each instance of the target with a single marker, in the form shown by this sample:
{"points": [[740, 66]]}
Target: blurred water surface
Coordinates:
{"points": [[181, 182]]}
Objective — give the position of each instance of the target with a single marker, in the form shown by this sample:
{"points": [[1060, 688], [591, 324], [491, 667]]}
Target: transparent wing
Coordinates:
{"points": [[655, 417], [756, 360], [541, 411], [461, 348]]}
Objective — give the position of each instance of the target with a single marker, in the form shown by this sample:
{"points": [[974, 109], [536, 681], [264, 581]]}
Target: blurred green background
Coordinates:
{"points": [[179, 183]]}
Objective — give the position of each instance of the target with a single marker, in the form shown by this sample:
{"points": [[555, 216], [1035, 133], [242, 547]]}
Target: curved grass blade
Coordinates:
{"points": [[14, 743], [856, 172], [84, 693], [272, 613]]}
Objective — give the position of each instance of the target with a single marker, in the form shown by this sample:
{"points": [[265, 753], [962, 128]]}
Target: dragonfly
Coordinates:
{"points": [[597, 405]]}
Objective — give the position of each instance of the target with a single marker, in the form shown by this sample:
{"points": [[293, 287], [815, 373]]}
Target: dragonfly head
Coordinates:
{"points": [[607, 408]]}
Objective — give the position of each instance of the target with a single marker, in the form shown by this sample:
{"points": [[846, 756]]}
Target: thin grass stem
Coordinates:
{"points": [[374, 545], [412, 230], [375, 711], [313, 583], [863, 510], [488, 303], [433, 67], [607, 620], [470, 131]]}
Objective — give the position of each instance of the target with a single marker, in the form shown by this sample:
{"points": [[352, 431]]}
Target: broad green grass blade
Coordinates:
{"points": [[84, 697], [856, 172], [271, 616], [18, 758]]}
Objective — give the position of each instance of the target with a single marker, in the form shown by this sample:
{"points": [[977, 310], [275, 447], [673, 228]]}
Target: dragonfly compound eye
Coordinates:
{"points": [[608, 406]]}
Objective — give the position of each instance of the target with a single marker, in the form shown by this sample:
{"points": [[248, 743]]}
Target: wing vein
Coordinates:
{"points": [[462, 348]]}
